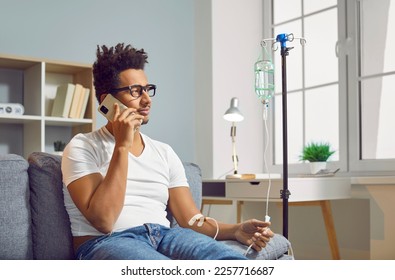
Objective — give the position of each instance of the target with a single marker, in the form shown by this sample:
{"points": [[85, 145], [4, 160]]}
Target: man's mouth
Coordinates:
{"points": [[144, 112]]}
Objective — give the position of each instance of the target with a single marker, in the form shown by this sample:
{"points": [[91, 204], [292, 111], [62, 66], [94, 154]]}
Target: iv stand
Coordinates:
{"points": [[284, 193], [282, 38]]}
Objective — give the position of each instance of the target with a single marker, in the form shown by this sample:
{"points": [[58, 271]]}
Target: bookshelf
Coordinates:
{"points": [[33, 83]]}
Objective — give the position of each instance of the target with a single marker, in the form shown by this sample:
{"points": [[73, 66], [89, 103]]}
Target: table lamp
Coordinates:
{"points": [[234, 115]]}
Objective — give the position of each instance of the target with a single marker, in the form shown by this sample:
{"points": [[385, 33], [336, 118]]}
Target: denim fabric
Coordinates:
{"points": [[156, 242]]}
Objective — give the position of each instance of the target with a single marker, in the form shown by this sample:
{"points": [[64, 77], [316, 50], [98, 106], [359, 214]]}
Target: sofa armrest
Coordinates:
{"points": [[15, 221], [52, 237]]}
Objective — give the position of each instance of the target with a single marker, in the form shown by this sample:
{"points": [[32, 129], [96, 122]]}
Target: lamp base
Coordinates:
{"points": [[233, 176]]}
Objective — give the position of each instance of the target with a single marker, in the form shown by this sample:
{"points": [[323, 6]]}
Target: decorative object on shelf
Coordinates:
{"points": [[59, 147], [317, 153], [234, 115], [11, 109]]}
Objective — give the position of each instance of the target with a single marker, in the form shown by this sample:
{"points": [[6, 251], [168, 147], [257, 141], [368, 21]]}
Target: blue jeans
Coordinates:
{"points": [[156, 242]]}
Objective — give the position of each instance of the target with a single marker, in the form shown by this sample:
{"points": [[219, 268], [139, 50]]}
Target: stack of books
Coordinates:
{"points": [[71, 101]]}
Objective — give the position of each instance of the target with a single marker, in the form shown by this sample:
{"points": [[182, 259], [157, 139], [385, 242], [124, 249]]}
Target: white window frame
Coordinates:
{"points": [[356, 164]]}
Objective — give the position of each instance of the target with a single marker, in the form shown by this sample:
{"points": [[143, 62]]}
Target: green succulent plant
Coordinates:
{"points": [[315, 151]]}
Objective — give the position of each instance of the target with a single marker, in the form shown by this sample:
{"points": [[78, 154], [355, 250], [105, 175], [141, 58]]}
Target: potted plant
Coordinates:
{"points": [[317, 153]]}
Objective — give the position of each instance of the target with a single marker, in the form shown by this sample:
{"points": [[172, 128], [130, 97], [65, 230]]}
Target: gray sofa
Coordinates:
{"points": [[34, 223]]}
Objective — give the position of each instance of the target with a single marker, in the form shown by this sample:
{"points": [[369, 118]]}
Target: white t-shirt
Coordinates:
{"points": [[149, 177]]}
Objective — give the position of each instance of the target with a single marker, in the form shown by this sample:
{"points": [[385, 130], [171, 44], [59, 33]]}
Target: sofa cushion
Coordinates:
{"points": [[15, 227], [52, 237]]}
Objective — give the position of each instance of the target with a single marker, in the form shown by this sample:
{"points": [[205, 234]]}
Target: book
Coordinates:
{"points": [[78, 91], [84, 103], [62, 101], [80, 101]]}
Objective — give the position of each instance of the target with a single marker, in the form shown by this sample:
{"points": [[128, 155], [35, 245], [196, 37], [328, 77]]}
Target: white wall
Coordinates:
{"points": [[235, 35], [203, 86]]}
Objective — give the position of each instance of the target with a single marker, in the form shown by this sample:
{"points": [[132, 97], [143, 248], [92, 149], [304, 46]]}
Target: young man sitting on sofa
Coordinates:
{"points": [[119, 182]]}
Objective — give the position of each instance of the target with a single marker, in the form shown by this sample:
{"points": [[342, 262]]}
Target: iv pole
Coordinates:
{"points": [[284, 193]]}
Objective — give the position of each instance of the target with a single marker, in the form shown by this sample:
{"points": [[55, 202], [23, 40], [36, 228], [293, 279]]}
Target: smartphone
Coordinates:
{"points": [[106, 108]]}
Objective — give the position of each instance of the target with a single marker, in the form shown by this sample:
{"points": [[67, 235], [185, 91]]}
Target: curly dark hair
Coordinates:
{"points": [[111, 61]]}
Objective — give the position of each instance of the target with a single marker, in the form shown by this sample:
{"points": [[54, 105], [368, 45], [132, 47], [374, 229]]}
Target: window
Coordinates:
{"points": [[374, 81], [339, 84]]}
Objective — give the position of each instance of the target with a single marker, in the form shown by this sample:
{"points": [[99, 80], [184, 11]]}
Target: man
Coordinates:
{"points": [[119, 181]]}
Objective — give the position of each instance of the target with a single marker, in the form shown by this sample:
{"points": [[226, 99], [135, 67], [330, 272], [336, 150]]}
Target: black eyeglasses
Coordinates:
{"points": [[137, 90]]}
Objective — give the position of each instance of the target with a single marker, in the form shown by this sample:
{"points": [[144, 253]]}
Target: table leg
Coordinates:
{"points": [[239, 208], [329, 224], [330, 228]]}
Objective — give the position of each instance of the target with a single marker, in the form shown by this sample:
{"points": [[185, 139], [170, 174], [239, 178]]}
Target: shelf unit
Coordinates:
{"points": [[33, 83]]}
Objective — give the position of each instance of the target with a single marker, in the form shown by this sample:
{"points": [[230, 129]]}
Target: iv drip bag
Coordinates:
{"points": [[264, 79]]}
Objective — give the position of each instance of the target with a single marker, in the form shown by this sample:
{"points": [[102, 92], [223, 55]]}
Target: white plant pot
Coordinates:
{"points": [[315, 167]]}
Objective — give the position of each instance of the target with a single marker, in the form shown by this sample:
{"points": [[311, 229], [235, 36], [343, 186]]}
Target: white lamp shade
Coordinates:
{"points": [[233, 114]]}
